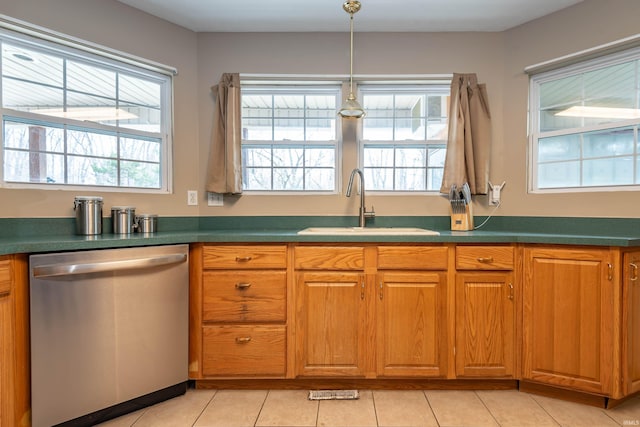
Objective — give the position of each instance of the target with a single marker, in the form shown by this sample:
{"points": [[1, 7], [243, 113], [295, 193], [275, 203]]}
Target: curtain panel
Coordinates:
{"points": [[224, 174], [469, 140]]}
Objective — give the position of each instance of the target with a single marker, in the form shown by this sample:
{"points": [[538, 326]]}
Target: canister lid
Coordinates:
{"points": [[89, 198], [146, 215], [123, 208]]}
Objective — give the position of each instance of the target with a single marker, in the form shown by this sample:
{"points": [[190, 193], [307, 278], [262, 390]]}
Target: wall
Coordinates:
{"points": [[497, 58], [120, 27]]}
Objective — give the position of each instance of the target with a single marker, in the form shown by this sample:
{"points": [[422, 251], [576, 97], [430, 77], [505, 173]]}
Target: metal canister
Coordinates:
{"points": [[147, 223], [88, 215], [123, 219]]}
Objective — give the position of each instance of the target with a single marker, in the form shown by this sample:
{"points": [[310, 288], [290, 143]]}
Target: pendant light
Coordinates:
{"points": [[351, 108]]}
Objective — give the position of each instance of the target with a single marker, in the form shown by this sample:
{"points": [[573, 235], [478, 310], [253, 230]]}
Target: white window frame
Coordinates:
{"points": [[34, 37], [297, 84], [575, 67], [435, 84]]}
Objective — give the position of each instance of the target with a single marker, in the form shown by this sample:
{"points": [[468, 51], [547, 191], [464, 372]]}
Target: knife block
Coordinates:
{"points": [[462, 221]]}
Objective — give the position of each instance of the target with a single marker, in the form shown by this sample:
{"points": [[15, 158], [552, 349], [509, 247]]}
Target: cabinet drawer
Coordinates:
{"points": [[5, 277], [250, 256], [329, 258], [244, 350], [412, 257], [484, 257], [244, 296]]}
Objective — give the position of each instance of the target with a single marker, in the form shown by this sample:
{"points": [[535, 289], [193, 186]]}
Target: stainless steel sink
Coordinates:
{"points": [[368, 231]]}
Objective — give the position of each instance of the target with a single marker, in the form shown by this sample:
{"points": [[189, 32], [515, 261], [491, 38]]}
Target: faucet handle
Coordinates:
{"points": [[371, 213]]}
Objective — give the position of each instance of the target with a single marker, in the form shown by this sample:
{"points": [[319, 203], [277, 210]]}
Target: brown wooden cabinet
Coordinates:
{"points": [[568, 317], [486, 308], [412, 315], [239, 304], [371, 311], [332, 318], [14, 345], [631, 323]]}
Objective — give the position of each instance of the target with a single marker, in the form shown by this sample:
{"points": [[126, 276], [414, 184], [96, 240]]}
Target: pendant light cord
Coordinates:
{"points": [[351, 57]]}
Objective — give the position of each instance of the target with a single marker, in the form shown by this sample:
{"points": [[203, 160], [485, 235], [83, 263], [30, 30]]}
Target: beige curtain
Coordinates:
{"points": [[224, 174], [469, 142]]}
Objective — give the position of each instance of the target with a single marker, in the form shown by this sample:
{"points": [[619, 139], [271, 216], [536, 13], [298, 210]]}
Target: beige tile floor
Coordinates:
{"points": [[290, 408]]}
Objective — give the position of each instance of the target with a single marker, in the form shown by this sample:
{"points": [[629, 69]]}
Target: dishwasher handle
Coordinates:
{"points": [[53, 270]]}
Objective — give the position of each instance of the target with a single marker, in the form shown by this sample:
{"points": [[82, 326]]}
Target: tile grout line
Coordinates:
{"points": [[435, 417], [486, 407], [543, 408], [375, 411], [255, 423], [204, 408]]}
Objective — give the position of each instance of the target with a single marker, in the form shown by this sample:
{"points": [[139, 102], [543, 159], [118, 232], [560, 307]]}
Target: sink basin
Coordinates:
{"points": [[368, 231]]}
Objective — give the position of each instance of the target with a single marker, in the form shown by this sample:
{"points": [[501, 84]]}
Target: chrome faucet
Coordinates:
{"points": [[363, 214]]}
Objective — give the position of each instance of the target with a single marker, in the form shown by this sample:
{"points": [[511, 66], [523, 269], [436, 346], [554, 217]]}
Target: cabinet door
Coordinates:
{"points": [[7, 344], [568, 318], [412, 325], [631, 322], [485, 324], [331, 324]]}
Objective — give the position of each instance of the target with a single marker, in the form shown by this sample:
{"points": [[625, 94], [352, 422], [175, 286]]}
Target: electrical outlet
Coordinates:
{"points": [[214, 199], [192, 198], [494, 193]]}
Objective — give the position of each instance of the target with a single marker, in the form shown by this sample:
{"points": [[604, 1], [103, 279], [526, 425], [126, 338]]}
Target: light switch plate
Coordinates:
{"points": [[215, 199]]}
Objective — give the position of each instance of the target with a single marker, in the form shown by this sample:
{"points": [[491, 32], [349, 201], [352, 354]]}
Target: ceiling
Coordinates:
{"points": [[328, 15]]}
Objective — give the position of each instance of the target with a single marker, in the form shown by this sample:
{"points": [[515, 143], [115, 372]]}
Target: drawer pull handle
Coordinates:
{"points": [[483, 260], [243, 258], [243, 340], [634, 272], [243, 286], [511, 291]]}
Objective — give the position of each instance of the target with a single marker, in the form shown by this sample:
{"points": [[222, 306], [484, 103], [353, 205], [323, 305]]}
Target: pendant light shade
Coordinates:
{"points": [[351, 108]]}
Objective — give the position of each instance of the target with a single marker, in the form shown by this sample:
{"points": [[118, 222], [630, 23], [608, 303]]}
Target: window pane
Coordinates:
{"points": [[88, 79], [320, 179], [379, 178], [288, 157], [138, 174], [92, 171], [25, 96], [558, 175], [414, 157], [32, 65], [287, 179], [316, 157], [288, 129], [92, 144], [33, 137], [437, 157], [410, 179], [613, 171], [613, 142], [378, 156], [434, 178], [256, 156], [563, 147], [140, 149], [257, 178]]}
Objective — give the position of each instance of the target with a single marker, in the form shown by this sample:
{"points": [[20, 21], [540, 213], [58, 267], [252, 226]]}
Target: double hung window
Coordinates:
{"points": [[290, 137], [71, 117], [404, 136], [584, 123]]}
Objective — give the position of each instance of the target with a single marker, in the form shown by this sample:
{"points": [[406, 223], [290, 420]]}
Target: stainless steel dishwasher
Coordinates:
{"points": [[109, 332]]}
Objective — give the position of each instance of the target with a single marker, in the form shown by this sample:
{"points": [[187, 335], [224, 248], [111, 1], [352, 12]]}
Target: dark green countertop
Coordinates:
{"points": [[23, 235]]}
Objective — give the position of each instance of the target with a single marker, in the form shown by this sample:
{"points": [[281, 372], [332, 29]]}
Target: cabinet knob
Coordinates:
{"points": [[487, 260], [243, 286], [242, 340]]}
